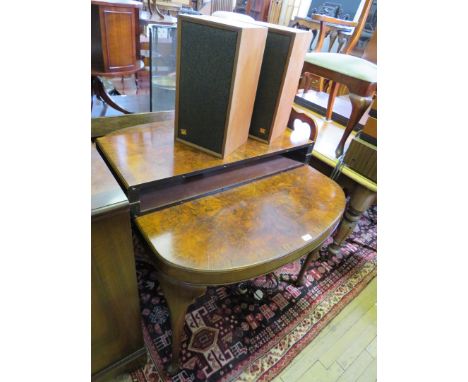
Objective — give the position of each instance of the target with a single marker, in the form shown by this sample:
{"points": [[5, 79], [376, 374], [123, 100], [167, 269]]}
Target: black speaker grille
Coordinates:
{"points": [[206, 65], [274, 60]]}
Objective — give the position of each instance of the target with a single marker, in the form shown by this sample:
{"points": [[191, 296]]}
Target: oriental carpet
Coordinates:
{"points": [[252, 331]]}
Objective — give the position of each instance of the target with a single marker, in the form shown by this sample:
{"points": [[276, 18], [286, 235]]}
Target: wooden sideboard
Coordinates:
{"points": [[116, 336]]}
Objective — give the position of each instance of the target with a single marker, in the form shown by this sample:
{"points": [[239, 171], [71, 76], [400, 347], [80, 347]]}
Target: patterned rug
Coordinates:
{"points": [[252, 331]]}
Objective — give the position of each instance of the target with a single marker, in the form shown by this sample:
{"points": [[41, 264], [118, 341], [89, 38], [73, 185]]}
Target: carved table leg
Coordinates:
{"points": [[361, 199], [178, 297], [98, 89], [359, 107], [312, 256]]}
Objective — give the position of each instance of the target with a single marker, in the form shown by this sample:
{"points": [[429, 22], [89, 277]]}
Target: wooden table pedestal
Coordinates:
{"points": [[360, 200]]}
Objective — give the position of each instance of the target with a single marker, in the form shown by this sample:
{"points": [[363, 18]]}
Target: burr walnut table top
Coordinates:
{"points": [[147, 153], [245, 231]]}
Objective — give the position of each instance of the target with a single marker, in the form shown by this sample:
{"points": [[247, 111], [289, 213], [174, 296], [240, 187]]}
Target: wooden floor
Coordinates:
{"points": [[345, 350]]}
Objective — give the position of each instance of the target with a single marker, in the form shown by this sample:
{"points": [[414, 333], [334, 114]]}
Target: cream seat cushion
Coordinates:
{"points": [[345, 64]]}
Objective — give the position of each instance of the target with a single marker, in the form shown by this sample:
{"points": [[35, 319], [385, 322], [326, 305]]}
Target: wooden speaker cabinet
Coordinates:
{"points": [[114, 35], [218, 67], [281, 69], [116, 336]]}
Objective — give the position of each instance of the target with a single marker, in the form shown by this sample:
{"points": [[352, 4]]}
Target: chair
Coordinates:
{"points": [[359, 75], [258, 9], [327, 19], [346, 31], [222, 5]]}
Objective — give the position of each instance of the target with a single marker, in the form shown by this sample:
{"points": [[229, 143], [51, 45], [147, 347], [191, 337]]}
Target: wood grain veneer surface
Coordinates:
{"points": [[148, 153], [245, 231]]}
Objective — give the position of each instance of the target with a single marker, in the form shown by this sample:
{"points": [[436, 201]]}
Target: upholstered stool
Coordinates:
{"points": [[359, 75]]}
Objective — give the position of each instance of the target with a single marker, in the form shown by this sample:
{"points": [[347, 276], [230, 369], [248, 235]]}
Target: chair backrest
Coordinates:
{"points": [[358, 13], [222, 5], [303, 118], [360, 18]]}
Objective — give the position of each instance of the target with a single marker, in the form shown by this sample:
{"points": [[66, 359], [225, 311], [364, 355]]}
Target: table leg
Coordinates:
{"points": [[359, 107], [98, 89], [312, 256], [361, 199], [178, 297]]}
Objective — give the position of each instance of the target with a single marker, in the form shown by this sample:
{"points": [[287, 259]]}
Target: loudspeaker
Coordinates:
{"points": [[218, 67], [283, 60]]}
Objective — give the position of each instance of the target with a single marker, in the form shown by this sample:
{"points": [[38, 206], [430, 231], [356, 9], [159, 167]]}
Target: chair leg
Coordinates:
{"points": [[307, 81], [324, 30], [331, 99], [314, 34], [341, 41], [359, 107], [333, 36]]}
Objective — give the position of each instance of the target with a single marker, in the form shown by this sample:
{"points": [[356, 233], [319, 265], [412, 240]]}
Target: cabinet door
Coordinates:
{"points": [[118, 26]]}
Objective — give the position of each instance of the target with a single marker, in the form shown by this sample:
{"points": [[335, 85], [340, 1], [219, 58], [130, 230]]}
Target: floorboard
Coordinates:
{"points": [[348, 343]]}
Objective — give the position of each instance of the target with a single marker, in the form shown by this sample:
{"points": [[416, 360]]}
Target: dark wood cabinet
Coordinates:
{"points": [[114, 35], [116, 337]]}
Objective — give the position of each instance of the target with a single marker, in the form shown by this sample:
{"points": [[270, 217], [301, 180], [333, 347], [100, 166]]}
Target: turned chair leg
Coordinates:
{"points": [[361, 199], [341, 41], [331, 99], [324, 31], [312, 256], [359, 107], [178, 297]]}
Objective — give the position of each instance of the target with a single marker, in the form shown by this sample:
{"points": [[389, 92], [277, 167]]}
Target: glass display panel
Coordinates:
{"points": [[163, 48]]}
